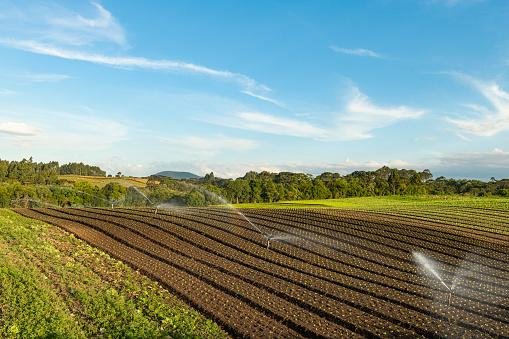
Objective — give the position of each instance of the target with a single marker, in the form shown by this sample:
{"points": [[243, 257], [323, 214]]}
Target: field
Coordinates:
{"points": [[397, 203], [53, 285], [103, 181], [319, 272]]}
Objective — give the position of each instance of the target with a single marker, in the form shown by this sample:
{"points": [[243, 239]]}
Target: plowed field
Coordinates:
{"points": [[317, 273]]}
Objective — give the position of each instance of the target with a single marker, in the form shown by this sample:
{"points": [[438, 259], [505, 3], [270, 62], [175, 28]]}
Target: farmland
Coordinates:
{"points": [[292, 272], [54, 285], [103, 181]]}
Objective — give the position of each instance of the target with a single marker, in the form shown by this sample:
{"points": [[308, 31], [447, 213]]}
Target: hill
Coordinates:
{"points": [[177, 175]]}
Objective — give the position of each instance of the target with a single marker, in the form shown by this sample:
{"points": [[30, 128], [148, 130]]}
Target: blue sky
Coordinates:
{"points": [[232, 86]]}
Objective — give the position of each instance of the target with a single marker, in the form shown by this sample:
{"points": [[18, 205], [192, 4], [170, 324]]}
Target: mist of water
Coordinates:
{"points": [[142, 194], [429, 267], [226, 203]]}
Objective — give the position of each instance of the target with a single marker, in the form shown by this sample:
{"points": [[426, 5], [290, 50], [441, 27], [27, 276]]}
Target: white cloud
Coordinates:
{"points": [[362, 52], [18, 128], [55, 31], [61, 131], [79, 29], [44, 77], [266, 123], [486, 121], [264, 98], [50, 22], [361, 117], [209, 145], [358, 119], [130, 62]]}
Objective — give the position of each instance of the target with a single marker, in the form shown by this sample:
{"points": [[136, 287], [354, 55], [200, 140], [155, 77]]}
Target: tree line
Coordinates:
{"points": [[27, 183], [256, 187], [27, 171]]}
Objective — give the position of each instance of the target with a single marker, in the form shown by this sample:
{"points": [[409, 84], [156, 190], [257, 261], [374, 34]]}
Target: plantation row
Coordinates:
{"points": [[326, 273]]}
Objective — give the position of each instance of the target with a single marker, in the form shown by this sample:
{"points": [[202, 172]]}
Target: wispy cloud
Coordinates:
{"points": [[265, 98], [209, 145], [272, 124], [44, 77], [52, 23], [362, 52], [54, 131], [57, 32], [18, 128], [362, 116], [357, 120], [82, 30], [485, 121], [130, 62]]}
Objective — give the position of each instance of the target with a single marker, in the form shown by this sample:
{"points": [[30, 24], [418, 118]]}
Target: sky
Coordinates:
{"points": [[234, 86]]}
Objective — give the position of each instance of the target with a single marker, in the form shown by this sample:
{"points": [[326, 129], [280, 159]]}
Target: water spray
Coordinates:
{"points": [[146, 198], [428, 266]]}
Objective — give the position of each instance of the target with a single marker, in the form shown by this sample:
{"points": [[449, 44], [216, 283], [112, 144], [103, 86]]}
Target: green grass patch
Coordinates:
{"points": [[390, 202], [54, 285]]}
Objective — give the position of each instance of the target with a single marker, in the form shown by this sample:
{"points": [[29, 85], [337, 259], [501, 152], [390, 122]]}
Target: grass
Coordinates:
{"points": [[103, 181], [390, 202], [54, 285]]}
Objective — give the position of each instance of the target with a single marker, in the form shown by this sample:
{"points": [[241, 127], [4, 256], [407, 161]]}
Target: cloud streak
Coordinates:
{"points": [[486, 121], [361, 52], [131, 62], [62, 131], [362, 116], [53, 23], [272, 124], [102, 27], [57, 32], [356, 121], [264, 98], [44, 77]]}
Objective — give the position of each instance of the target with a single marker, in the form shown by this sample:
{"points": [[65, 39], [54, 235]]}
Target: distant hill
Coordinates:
{"points": [[177, 175]]}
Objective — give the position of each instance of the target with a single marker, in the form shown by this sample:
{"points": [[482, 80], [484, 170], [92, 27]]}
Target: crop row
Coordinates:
{"points": [[369, 238], [292, 287], [231, 313], [493, 256], [410, 302], [363, 265]]}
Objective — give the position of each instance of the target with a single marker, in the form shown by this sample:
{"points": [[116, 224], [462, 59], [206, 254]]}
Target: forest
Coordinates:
{"points": [[32, 183]]}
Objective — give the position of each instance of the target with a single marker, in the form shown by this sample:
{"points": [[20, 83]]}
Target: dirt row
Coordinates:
{"points": [[235, 316], [355, 267], [293, 288], [328, 240], [488, 313]]}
